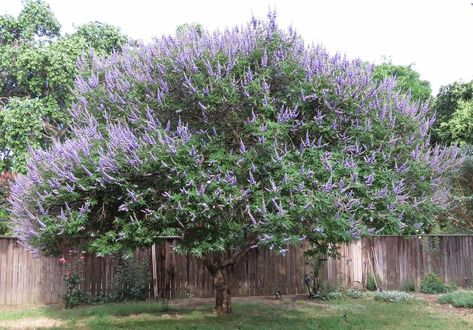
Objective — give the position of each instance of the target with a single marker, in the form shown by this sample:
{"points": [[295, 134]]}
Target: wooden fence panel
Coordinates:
{"points": [[29, 279]]}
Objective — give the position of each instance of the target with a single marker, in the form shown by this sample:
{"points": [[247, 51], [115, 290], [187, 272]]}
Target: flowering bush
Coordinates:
{"points": [[232, 140], [73, 296]]}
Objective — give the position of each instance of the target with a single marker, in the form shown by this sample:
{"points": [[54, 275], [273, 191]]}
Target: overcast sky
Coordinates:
{"points": [[434, 35]]}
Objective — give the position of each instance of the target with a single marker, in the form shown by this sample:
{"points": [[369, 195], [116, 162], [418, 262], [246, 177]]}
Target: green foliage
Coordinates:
{"points": [[353, 293], [102, 37], [407, 80], [457, 299], [408, 285], [334, 295], [37, 71], [20, 127], [432, 283], [5, 179], [393, 296], [460, 217], [73, 296], [449, 127], [186, 27], [315, 258], [372, 282], [328, 287], [459, 128], [132, 280], [4, 223], [35, 21]]}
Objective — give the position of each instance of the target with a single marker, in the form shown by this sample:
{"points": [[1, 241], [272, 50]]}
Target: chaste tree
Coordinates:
{"points": [[232, 140]]}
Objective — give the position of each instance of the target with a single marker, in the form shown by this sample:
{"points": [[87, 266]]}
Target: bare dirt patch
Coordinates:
{"points": [[436, 308], [31, 323]]}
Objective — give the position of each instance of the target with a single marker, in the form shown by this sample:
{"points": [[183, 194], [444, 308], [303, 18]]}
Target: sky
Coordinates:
{"points": [[436, 36]]}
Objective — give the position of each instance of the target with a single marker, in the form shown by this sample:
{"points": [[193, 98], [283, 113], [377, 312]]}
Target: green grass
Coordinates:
{"points": [[458, 299], [363, 313]]}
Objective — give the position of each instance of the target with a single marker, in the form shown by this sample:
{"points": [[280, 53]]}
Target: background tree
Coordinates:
{"points": [[186, 27], [37, 71], [232, 140], [454, 125], [408, 80], [453, 108]]}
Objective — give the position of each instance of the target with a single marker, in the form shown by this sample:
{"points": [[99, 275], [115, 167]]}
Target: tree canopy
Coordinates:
{"points": [[408, 80], [454, 110], [37, 71], [232, 140]]}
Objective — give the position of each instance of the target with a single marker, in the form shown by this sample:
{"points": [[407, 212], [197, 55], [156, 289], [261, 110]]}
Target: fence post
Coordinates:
{"points": [[155, 271]]}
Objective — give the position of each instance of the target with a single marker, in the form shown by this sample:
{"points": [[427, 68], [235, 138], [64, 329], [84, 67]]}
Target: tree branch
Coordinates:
{"points": [[236, 258]]}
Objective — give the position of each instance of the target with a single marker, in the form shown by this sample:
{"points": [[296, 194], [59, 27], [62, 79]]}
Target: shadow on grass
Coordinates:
{"points": [[261, 314], [149, 315]]}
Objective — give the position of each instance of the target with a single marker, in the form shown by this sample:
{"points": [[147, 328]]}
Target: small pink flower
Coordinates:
{"points": [[62, 260], [82, 258]]}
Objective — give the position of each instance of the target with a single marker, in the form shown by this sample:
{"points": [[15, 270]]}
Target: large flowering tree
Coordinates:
{"points": [[232, 140]]}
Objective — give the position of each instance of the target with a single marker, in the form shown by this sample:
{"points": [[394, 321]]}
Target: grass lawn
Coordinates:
{"points": [[292, 312]]}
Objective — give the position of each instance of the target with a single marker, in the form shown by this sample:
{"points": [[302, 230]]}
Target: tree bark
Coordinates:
{"points": [[223, 296], [222, 275]]}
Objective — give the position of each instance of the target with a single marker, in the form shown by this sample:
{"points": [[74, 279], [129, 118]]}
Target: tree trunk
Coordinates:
{"points": [[222, 275], [222, 286], [223, 297]]}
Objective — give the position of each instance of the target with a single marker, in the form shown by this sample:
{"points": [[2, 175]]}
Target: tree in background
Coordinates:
{"points": [[37, 71], [454, 110], [230, 141], [407, 80]]}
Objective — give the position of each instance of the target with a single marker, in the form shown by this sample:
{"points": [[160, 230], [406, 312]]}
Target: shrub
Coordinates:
{"points": [[393, 296], [408, 286], [328, 287], [371, 282], [457, 299], [432, 283], [132, 280], [73, 296], [353, 293], [99, 299], [335, 295]]}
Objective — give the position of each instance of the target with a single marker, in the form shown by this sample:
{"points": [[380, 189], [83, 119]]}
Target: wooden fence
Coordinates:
{"points": [[395, 260], [27, 279]]}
